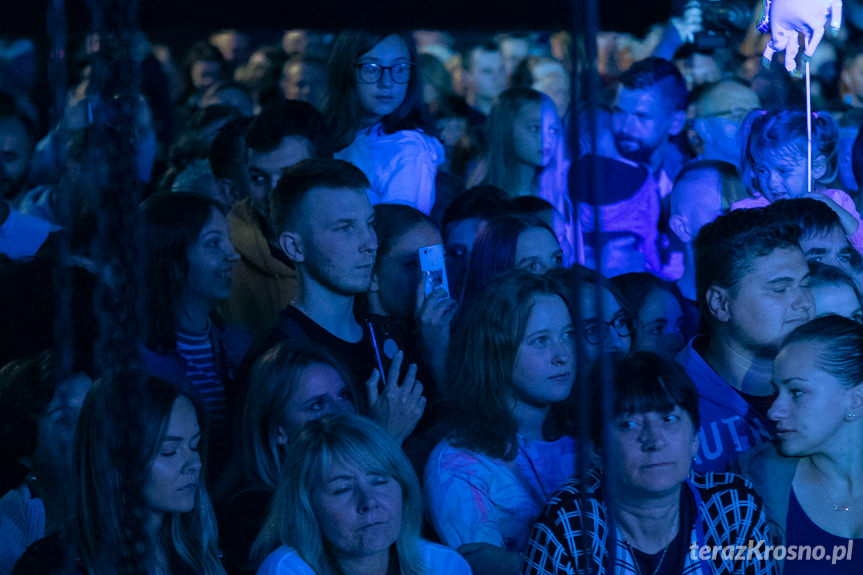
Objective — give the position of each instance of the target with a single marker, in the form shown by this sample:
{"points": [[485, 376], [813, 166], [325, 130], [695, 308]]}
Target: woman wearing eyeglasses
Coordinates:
{"points": [[510, 447], [377, 119]]}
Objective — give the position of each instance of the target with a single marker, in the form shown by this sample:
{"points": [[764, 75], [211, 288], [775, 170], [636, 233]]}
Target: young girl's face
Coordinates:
{"points": [[381, 97], [535, 134], [544, 368], [781, 177]]}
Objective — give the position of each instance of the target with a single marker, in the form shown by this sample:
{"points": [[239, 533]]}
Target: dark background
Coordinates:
{"points": [[27, 17]]}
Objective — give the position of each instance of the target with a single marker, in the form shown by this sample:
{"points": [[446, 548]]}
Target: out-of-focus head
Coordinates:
{"points": [[305, 78], [659, 320], [17, 141], [463, 220], [38, 411], [719, 112], [484, 72], [650, 107], [702, 191], [604, 325]]}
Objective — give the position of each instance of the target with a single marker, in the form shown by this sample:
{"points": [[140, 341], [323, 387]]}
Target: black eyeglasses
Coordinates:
{"points": [[370, 73], [595, 331]]}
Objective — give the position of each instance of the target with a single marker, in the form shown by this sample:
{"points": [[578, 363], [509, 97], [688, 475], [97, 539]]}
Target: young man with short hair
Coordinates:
{"points": [[325, 226], [751, 283]]}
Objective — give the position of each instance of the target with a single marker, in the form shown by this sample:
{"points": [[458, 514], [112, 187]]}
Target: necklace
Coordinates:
{"points": [[661, 557], [835, 506]]}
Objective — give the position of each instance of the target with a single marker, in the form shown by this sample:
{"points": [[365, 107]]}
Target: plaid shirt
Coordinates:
{"points": [[728, 514]]}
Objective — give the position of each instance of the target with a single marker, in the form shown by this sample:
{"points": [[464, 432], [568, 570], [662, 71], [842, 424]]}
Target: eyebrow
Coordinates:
{"points": [[175, 438], [816, 250], [790, 380]]}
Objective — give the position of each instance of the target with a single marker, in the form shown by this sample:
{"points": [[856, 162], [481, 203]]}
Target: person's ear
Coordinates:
{"points": [[292, 245], [819, 167], [855, 399], [694, 444], [281, 436], [680, 227], [718, 303], [226, 190], [678, 122]]}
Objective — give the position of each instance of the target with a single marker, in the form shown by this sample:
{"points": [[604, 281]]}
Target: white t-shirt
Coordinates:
{"points": [[437, 559]]}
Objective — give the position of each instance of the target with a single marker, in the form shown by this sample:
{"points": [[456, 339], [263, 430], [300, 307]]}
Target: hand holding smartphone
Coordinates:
{"points": [[433, 268]]}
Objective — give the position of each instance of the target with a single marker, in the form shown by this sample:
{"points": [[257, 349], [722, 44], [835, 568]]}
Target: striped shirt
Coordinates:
{"points": [[196, 349]]}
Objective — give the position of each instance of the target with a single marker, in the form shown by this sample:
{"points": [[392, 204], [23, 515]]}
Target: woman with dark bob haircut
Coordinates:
{"points": [[646, 510], [344, 475], [376, 114], [812, 479], [142, 504]]}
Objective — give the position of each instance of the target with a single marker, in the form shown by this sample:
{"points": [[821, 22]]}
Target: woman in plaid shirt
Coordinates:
{"points": [[646, 512]]}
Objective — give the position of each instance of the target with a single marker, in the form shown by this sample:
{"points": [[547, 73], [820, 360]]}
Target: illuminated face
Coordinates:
{"points": [[781, 177], [653, 452], [172, 483], [359, 510], [810, 405], [544, 368], [537, 251], [383, 97], [771, 299], [536, 134], [338, 241], [641, 122]]}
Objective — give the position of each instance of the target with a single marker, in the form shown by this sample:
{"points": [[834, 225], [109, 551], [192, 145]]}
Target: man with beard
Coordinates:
{"points": [[751, 281], [649, 109], [324, 223]]}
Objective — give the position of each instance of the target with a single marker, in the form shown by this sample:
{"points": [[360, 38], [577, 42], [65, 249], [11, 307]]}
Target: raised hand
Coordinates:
{"points": [[400, 404], [788, 19]]}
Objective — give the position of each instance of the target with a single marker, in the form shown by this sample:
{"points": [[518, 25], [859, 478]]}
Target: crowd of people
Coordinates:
{"points": [[642, 347]]}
